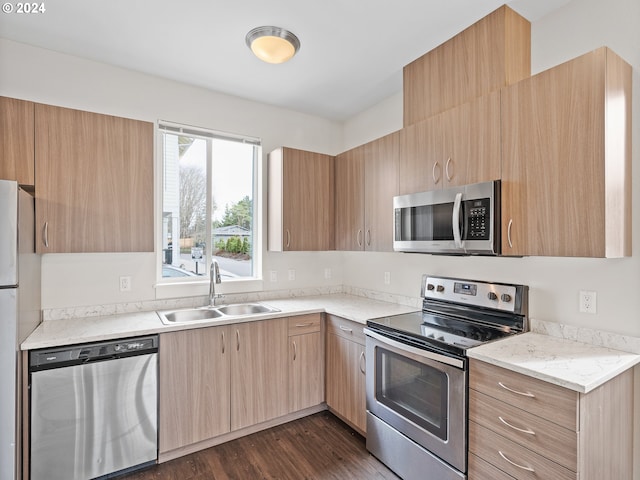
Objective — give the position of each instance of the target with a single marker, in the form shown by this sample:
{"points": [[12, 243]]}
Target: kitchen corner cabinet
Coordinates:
{"points": [[306, 365], [345, 371], [194, 386], [524, 428], [488, 55], [17, 152], [94, 182], [566, 160], [457, 147], [300, 198], [366, 182]]}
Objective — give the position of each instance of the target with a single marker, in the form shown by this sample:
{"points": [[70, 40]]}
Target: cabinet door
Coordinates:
{"points": [[308, 200], [492, 53], [194, 386], [16, 141], [349, 199], [258, 372], [381, 185], [94, 181], [471, 149], [421, 168], [306, 381], [565, 166], [346, 380]]}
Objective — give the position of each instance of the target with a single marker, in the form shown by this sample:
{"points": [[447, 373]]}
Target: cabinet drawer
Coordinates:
{"points": [[551, 402], [514, 459], [301, 324], [345, 328], [548, 439], [481, 470]]}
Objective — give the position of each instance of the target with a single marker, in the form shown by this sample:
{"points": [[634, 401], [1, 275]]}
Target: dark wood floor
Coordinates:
{"points": [[318, 447]]}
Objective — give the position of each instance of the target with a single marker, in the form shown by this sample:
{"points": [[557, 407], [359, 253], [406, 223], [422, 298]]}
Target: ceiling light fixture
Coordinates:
{"points": [[272, 44]]}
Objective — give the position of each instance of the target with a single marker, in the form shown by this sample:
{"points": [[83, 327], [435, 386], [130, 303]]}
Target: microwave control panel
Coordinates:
{"points": [[478, 219]]}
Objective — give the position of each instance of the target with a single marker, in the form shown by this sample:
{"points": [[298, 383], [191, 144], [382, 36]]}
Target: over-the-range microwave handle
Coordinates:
{"points": [[454, 362], [455, 220]]}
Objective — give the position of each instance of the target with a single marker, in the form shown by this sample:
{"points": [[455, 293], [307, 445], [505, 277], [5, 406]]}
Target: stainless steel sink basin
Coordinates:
{"points": [[189, 315], [245, 309], [203, 314]]}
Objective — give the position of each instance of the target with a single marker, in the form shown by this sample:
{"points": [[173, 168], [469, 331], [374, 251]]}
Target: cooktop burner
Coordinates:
{"points": [[459, 314]]}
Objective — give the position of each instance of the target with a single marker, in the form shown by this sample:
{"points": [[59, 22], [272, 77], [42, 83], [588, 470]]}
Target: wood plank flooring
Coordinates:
{"points": [[317, 447]]}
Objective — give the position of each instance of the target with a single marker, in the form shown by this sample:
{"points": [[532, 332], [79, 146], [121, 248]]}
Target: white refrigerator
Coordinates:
{"points": [[19, 314]]}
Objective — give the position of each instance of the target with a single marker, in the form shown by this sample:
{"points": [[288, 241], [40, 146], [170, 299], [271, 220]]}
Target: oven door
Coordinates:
{"points": [[421, 394]]}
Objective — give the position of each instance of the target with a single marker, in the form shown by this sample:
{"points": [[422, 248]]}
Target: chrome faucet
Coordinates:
{"points": [[214, 277]]}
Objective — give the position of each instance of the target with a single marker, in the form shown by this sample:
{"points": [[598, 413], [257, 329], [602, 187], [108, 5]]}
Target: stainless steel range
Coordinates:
{"points": [[417, 373]]}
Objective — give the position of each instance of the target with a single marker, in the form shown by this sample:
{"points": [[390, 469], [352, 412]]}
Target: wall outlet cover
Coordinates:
{"points": [[125, 283]]}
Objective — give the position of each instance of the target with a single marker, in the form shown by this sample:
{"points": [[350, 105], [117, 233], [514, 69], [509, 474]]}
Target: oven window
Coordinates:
{"points": [[413, 390]]}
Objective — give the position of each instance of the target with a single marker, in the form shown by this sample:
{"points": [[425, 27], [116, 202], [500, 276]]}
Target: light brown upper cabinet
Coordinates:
{"points": [[17, 154], [457, 147], [566, 160], [301, 200], [490, 54], [94, 182], [366, 182]]}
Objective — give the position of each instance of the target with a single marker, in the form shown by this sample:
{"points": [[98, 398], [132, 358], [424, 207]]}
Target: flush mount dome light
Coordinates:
{"points": [[272, 44]]}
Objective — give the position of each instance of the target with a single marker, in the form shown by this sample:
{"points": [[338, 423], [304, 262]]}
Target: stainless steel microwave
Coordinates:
{"points": [[461, 220]]}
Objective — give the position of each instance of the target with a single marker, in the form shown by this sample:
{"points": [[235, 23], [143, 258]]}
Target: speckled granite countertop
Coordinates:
{"points": [[578, 366], [70, 331]]}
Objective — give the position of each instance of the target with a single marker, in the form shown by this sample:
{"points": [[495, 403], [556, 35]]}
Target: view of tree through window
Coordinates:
{"points": [[208, 203]]}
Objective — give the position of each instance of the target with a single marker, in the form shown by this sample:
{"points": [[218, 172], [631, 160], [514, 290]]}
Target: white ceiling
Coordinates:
{"points": [[351, 56]]}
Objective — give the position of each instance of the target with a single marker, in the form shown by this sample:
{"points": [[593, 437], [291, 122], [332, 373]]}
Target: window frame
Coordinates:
{"points": [[170, 287]]}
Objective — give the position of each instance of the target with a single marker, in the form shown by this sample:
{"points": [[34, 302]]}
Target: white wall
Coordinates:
{"points": [[577, 28], [49, 77]]}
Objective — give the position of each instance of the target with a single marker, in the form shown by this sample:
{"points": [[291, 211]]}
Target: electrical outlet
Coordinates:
{"points": [[292, 275], [327, 273], [125, 284], [273, 276], [387, 278], [587, 301]]}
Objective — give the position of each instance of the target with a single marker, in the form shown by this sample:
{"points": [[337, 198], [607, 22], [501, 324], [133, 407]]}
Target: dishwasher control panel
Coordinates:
{"points": [[91, 352]]}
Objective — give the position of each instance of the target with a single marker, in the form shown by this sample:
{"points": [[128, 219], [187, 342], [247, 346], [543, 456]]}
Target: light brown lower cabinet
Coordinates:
{"points": [[228, 379], [525, 428], [345, 367], [306, 366], [194, 386]]}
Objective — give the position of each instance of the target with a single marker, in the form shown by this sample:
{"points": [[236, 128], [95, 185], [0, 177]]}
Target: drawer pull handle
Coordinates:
{"points": [[522, 430], [304, 324], [524, 394], [528, 469], [346, 329], [363, 361]]}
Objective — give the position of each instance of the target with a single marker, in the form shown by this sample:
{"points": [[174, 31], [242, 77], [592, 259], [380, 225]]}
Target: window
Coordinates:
{"points": [[208, 203]]}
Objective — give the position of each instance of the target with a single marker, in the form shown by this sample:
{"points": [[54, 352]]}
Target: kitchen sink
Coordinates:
{"points": [[245, 309], [204, 314], [189, 315]]}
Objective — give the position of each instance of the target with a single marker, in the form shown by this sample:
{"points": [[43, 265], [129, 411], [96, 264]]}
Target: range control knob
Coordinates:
{"points": [[430, 286], [492, 296], [440, 288], [505, 297]]}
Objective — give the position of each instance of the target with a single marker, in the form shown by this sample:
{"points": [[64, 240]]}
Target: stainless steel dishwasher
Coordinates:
{"points": [[93, 409]]}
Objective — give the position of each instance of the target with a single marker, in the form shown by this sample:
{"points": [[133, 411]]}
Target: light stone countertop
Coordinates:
{"points": [[53, 333], [577, 366]]}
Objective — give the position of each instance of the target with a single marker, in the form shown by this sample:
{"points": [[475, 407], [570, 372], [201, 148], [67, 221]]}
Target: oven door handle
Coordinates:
{"points": [[454, 362]]}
